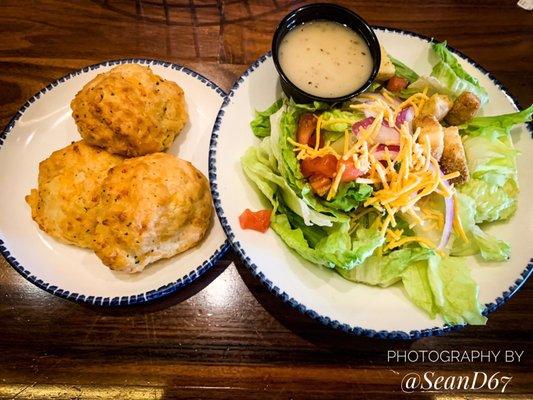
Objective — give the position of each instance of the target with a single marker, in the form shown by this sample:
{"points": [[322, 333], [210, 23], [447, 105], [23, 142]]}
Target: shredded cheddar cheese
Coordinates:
{"points": [[416, 101], [334, 187], [399, 189], [435, 216], [305, 151], [423, 99], [409, 239], [388, 98], [457, 224], [451, 176], [318, 126], [346, 140], [394, 235], [400, 178], [327, 122]]}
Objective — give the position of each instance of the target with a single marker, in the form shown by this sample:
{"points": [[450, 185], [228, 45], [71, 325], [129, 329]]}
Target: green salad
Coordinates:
{"points": [[395, 186]]}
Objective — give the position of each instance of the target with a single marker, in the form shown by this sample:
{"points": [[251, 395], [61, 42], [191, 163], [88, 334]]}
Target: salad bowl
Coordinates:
{"points": [[320, 292]]}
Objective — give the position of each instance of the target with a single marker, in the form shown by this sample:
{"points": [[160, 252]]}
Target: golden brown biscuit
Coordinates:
{"points": [[152, 207], [130, 111], [68, 189]]}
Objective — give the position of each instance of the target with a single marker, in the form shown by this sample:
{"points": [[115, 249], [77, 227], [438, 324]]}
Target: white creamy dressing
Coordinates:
{"points": [[325, 58]]}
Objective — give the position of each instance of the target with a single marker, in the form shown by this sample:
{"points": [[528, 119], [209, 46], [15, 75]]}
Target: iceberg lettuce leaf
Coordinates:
{"points": [[491, 158], [349, 196], [452, 75], [432, 84], [329, 117], [436, 285], [261, 123], [335, 249], [504, 122], [415, 280], [444, 286], [269, 182], [490, 248], [454, 291], [492, 202], [385, 270], [403, 70]]}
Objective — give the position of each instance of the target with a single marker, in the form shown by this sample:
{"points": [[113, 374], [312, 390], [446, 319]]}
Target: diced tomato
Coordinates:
{"points": [[396, 83], [258, 221], [326, 165], [320, 184], [306, 127], [350, 172]]}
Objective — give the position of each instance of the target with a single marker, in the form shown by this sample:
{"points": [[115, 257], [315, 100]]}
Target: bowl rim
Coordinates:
{"points": [[372, 40]]}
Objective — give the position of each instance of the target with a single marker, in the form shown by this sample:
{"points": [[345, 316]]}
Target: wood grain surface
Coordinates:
{"points": [[226, 336]]}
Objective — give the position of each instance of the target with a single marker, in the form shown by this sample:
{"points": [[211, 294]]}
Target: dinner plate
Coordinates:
{"points": [[44, 124], [319, 292]]}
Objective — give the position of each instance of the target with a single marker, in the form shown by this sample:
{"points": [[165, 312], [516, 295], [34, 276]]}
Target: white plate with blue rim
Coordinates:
{"points": [[44, 124], [319, 292]]}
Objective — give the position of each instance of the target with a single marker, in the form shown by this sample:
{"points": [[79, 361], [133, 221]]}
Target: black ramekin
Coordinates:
{"points": [[324, 12]]}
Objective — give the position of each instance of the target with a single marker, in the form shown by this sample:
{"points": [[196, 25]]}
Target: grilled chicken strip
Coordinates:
{"points": [[453, 157], [432, 130], [437, 106]]}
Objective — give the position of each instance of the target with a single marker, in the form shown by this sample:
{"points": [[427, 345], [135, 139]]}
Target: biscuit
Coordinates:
{"points": [[68, 190], [130, 111], [152, 207]]}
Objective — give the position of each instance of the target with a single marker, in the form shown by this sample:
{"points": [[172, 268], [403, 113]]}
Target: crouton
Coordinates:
{"points": [[437, 106], [320, 184], [453, 157], [431, 130], [386, 67], [463, 110]]}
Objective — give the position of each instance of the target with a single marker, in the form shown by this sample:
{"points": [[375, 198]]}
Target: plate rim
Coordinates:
{"points": [[140, 298], [285, 297]]}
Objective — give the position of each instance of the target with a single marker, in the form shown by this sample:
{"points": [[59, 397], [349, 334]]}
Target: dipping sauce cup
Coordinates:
{"points": [[325, 12]]}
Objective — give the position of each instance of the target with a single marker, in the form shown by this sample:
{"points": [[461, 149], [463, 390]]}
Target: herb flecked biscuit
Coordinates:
{"points": [[152, 207], [130, 111], [68, 190]]}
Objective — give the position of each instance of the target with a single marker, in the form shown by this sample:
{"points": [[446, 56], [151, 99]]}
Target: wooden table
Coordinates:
{"points": [[225, 336]]}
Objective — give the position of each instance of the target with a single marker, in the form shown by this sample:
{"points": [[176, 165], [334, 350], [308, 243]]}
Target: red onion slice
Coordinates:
{"points": [[392, 148], [379, 153], [388, 136], [449, 214], [406, 115], [364, 123]]}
